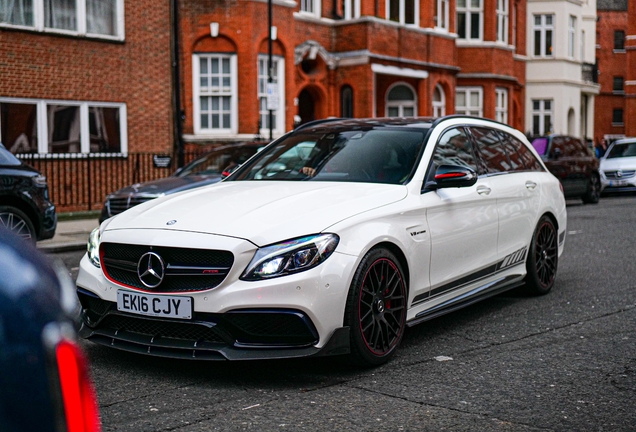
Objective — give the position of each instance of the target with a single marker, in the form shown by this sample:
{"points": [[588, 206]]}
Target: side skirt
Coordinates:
{"points": [[480, 293]]}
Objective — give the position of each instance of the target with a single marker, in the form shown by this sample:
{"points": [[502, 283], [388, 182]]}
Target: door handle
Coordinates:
{"points": [[531, 185], [483, 190]]}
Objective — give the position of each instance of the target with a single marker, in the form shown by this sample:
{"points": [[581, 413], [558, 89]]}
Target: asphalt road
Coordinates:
{"points": [[562, 362]]}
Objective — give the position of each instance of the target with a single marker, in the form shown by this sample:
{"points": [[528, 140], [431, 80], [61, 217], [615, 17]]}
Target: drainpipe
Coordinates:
{"points": [[176, 84]]}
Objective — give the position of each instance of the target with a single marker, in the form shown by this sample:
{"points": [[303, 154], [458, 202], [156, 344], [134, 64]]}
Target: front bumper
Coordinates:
{"points": [[291, 316], [618, 185]]}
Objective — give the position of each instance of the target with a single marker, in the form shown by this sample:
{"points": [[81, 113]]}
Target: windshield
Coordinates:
{"points": [[7, 158], [220, 162], [622, 150], [374, 156]]}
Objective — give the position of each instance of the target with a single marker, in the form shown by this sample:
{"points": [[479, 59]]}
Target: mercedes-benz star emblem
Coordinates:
{"points": [[619, 173], [171, 222], [151, 269]]}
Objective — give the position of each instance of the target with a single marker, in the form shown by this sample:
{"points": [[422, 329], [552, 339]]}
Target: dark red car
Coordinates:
{"points": [[573, 163]]}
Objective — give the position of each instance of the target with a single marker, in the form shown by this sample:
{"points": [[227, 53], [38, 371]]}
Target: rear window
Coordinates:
{"points": [[540, 145], [7, 158], [529, 160]]}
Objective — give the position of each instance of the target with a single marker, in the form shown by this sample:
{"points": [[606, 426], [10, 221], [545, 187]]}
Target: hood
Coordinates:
{"points": [[168, 185], [262, 212], [624, 163]]}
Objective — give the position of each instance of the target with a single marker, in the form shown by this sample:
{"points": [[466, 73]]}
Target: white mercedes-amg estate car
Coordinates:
{"points": [[331, 240]]}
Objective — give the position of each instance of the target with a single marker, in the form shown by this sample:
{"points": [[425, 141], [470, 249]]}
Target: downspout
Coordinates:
{"points": [[176, 84]]}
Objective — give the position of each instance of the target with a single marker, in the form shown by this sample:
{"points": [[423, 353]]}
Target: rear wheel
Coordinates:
{"points": [[376, 308], [16, 221], [543, 258], [593, 193]]}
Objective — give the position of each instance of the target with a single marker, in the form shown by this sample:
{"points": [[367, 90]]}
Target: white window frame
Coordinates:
{"points": [[442, 15], [501, 105], [469, 109], [502, 21], [43, 127], [351, 9], [311, 7], [81, 18], [439, 107], [232, 93], [541, 113], [571, 35], [470, 10], [400, 104], [543, 29], [279, 125], [402, 8]]}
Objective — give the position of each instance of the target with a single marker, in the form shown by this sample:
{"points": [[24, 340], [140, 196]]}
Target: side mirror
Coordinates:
{"points": [[448, 176]]}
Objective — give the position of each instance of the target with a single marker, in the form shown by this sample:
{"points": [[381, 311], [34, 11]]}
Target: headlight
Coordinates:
{"points": [[93, 248], [39, 180], [290, 256]]}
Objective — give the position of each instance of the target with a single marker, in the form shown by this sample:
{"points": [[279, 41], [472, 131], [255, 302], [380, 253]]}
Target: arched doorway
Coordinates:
{"points": [[306, 107]]}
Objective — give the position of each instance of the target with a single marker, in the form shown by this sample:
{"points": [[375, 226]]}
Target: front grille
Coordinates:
{"points": [[117, 205], [611, 175], [186, 270], [164, 329]]}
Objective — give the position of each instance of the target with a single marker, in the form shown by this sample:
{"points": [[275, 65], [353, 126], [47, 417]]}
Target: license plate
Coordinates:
{"points": [[154, 305], [616, 183]]}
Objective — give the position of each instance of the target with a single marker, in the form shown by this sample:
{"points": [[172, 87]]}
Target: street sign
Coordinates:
{"points": [[272, 96]]}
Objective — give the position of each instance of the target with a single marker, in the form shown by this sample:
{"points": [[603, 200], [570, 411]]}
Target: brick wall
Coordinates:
{"points": [[136, 71]]}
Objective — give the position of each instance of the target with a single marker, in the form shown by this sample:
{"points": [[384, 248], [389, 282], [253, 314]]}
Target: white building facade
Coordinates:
{"points": [[560, 71]]}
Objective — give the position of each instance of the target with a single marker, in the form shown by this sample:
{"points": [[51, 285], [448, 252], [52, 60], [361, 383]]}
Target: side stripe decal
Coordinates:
{"points": [[516, 258]]}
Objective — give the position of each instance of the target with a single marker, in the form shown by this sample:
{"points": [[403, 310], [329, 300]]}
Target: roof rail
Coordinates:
{"points": [[317, 122]]}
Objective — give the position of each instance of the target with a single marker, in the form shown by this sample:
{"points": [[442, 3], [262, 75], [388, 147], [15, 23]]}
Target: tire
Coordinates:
{"points": [[543, 259], [593, 193], [376, 308], [19, 223]]}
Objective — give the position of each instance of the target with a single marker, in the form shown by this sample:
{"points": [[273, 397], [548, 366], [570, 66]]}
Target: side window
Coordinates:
{"points": [[492, 156], [454, 148], [529, 160], [516, 161], [557, 147]]}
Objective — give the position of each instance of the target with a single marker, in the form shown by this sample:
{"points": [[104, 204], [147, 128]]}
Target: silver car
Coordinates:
{"points": [[618, 166]]}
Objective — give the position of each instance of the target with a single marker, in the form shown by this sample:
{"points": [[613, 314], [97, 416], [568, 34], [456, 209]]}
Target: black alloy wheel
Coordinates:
{"points": [[593, 193], [376, 308], [16, 221], [543, 258]]}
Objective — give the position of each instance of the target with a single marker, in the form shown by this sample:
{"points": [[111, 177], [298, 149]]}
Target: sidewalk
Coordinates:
{"points": [[70, 235]]}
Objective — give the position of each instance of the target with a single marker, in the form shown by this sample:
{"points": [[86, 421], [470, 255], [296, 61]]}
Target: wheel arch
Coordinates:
{"points": [[401, 257]]}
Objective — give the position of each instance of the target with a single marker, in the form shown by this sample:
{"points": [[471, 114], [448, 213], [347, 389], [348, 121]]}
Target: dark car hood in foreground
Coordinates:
{"points": [[168, 185]]}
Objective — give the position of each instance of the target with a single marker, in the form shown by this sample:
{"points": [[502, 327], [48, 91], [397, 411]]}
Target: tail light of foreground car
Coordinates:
{"points": [[76, 401]]}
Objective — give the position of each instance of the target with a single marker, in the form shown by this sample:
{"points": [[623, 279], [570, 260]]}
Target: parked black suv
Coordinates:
{"points": [[573, 163], [25, 207]]}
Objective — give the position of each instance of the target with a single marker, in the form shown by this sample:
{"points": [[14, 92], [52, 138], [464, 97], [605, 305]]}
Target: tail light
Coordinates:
{"points": [[561, 187], [78, 395]]}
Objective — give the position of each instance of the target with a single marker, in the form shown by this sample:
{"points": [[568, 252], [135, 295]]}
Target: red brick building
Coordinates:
{"points": [[95, 78], [611, 116], [88, 84], [357, 58], [630, 83]]}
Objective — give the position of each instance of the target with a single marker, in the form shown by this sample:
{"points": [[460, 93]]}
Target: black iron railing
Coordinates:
{"points": [[80, 181]]}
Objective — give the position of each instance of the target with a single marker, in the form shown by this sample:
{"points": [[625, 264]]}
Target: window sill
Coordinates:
{"points": [[618, 124]]}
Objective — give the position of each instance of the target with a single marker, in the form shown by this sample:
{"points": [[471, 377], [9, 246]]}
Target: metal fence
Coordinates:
{"points": [[80, 182]]}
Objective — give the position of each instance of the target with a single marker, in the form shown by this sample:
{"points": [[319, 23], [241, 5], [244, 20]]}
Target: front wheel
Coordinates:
{"points": [[16, 221], [543, 258], [376, 308], [593, 193]]}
